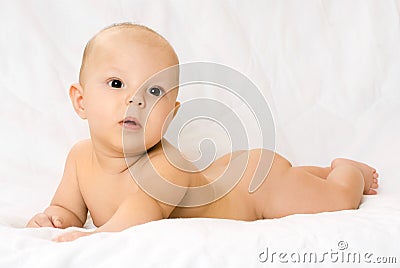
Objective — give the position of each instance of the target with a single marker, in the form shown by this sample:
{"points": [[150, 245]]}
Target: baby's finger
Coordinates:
{"points": [[42, 220], [66, 237], [57, 221], [70, 236], [32, 224], [61, 238]]}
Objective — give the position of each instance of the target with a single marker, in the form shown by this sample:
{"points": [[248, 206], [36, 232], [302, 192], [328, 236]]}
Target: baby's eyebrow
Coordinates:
{"points": [[115, 69]]}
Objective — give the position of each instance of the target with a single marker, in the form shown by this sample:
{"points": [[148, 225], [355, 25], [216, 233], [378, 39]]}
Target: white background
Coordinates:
{"points": [[330, 71]]}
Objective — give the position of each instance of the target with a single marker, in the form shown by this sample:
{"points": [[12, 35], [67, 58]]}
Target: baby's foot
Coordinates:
{"points": [[370, 174]]}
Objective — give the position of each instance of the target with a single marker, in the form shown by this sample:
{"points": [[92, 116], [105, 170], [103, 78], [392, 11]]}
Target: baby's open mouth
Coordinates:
{"points": [[130, 122]]}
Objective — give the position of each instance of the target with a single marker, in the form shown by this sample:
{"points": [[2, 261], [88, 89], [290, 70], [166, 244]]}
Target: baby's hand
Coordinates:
{"points": [[71, 236], [44, 220]]}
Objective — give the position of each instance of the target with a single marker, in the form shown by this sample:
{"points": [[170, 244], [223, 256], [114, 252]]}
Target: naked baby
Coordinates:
{"points": [[114, 77]]}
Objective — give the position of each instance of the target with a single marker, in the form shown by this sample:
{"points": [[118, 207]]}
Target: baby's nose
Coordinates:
{"points": [[137, 101]]}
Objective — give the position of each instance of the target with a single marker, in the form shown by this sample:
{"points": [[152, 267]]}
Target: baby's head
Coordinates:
{"points": [[115, 93]]}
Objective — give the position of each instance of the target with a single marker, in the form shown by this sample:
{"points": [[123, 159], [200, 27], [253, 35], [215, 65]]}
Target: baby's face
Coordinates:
{"points": [[118, 95]]}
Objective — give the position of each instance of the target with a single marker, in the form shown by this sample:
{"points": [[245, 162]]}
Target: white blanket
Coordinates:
{"points": [[329, 70]]}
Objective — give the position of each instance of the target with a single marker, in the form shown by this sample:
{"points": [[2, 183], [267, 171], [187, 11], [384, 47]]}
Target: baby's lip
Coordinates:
{"points": [[130, 120]]}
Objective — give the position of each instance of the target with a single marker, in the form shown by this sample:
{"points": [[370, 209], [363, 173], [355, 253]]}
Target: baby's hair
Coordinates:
{"points": [[163, 41], [131, 25]]}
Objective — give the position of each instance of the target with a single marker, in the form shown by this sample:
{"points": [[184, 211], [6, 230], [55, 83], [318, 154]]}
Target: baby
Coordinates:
{"points": [[116, 66]]}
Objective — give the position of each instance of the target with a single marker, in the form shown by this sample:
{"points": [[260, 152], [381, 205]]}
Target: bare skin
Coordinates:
{"points": [[370, 183], [311, 190], [97, 176], [289, 190]]}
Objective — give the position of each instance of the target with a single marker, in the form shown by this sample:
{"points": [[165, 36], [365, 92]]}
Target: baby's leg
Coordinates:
{"points": [[321, 172], [298, 190], [369, 173]]}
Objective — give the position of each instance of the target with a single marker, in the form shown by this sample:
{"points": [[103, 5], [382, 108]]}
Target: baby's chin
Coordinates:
{"points": [[134, 148], [131, 152]]}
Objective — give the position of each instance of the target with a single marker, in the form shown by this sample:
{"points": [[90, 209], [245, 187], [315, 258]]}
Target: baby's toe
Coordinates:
{"points": [[374, 185], [371, 192]]}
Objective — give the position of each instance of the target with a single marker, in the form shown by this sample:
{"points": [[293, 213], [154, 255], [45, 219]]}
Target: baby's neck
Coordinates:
{"points": [[113, 163]]}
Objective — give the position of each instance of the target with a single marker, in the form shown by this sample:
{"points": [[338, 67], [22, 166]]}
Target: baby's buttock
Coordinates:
{"points": [[239, 203]]}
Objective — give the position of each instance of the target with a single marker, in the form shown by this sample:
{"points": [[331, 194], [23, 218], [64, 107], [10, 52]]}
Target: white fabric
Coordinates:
{"points": [[329, 69]]}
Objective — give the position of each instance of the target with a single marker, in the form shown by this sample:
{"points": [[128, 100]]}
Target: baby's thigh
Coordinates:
{"points": [[296, 191]]}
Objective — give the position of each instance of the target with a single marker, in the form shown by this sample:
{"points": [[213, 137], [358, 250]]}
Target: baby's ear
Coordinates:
{"points": [[177, 105], [76, 96]]}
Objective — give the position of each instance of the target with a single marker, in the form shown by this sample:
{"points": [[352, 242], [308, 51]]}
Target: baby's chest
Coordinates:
{"points": [[103, 194]]}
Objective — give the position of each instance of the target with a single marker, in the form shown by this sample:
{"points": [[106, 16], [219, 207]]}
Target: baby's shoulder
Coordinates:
{"points": [[80, 150]]}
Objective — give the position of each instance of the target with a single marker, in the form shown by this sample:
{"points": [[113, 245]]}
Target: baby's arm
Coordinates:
{"points": [[67, 207], [134, 210], [139, 208]]}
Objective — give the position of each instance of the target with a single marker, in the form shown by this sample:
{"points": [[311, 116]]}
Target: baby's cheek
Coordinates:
{"points": [[161, 115], [157, 123], [153, 131]]}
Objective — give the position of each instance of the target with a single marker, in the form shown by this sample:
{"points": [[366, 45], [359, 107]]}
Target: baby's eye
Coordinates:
{"points": [[156, 91], [115, 83]]}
